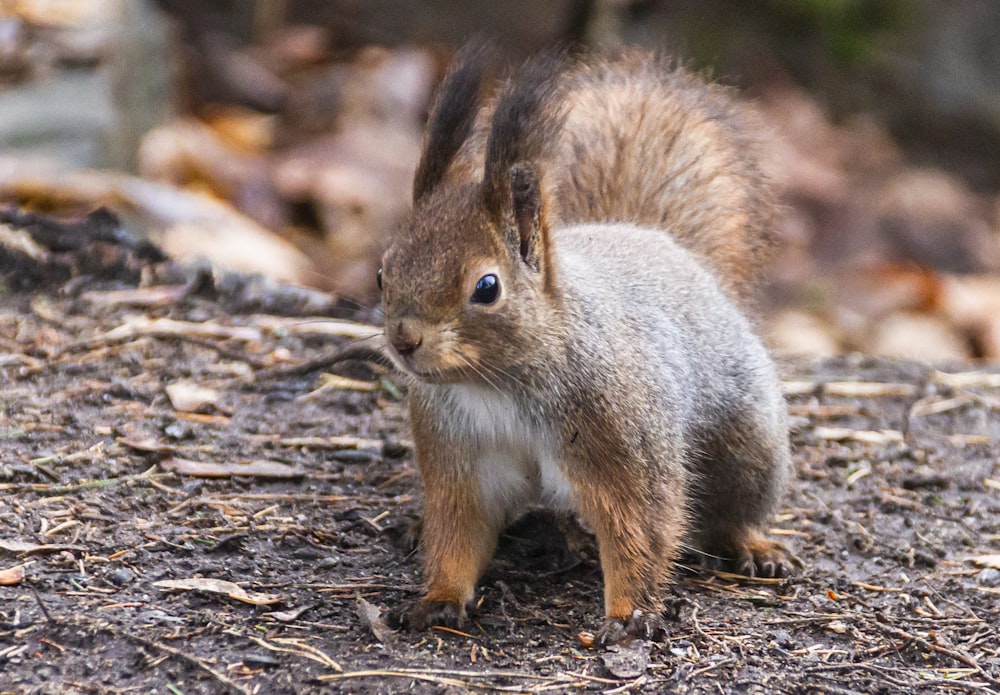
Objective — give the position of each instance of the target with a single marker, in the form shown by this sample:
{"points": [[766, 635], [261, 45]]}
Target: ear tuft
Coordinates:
{"points": [[452, 116], [527, 118]]}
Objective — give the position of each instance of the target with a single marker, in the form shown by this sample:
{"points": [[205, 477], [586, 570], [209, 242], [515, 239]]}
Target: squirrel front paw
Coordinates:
{"points": [[643, 625], [422, 614]]}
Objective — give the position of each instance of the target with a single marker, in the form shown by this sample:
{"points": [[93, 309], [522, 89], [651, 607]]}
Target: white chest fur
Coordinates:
{"points": [[515, 459]]}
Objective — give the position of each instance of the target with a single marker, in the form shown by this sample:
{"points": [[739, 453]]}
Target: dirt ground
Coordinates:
{"points": [[127, 567]]}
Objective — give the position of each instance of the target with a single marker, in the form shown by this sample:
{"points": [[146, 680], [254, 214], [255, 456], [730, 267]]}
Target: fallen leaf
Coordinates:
{"points": [[288, 616], [12, 575], [32, 548], [968, 300], [260, 468], [186, 224], [922, 337], [20, 241], [144, 441], [797, 332], [219, 586], [371, 617], [189, 397]]}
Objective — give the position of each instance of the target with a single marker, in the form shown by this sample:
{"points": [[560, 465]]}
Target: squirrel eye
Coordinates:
{"points": [[378, 279], [487, 290]]}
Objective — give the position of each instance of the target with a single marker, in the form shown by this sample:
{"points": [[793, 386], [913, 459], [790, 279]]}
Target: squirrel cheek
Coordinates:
{"points": [[459, 356], [443, 353]]}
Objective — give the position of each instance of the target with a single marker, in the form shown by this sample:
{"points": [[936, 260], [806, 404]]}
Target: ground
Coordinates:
{"points": [[125, 566]]}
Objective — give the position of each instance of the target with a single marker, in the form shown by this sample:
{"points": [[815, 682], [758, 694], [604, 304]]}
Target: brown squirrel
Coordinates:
{"points": [[565, 302]]}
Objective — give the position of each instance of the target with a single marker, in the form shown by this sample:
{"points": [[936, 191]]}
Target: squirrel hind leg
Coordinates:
{"points": [[741, 475], [750, 553], [423, 613]]}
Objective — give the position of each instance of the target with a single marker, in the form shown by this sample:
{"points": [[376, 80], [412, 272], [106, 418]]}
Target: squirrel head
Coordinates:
{"points": [[466, 279]]}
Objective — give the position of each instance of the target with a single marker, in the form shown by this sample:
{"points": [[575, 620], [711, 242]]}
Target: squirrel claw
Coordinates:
{"points": [[642, 625], [421, 614], [757, 557], [612, 631], [767, 558]]}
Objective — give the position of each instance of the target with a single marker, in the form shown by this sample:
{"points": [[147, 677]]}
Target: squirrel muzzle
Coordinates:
{"points": [[427, 350], [405, 337]]}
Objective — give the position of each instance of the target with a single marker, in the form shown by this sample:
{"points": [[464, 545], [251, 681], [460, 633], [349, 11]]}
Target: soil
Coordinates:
{"points": [[126, 568]]}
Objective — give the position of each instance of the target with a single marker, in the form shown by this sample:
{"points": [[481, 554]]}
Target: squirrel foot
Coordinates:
{"points": [[757, 556], [422, 614], [643, 625], [579, 541]]}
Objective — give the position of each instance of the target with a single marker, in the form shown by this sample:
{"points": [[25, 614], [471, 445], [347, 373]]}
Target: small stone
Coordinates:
{"points": [[121, 576], [988, 577], [178, 430], [628, 659], [328, 563], [307, 553]]}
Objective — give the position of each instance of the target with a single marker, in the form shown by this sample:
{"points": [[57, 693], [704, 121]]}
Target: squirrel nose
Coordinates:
{"points": [[406, 338]]}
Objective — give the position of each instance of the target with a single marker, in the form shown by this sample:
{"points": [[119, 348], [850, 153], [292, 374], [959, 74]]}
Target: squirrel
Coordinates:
{"points": [[567, 303]]}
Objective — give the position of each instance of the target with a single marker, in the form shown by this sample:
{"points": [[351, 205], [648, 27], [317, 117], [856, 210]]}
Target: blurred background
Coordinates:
{"points": [[280, 136]]}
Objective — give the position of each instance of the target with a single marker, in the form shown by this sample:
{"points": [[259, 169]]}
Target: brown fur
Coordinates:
{"points": [[685, 160], [610, 374]]}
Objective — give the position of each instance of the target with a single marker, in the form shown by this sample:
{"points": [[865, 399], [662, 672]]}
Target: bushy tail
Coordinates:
{"points": [[650, 143]]}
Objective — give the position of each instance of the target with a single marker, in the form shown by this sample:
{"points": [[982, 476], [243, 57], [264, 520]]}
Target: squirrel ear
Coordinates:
{"points": [[526, 202]]}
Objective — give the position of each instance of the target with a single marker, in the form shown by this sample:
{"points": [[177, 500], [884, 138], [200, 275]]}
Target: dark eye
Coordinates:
{"points": [[378, 279], [487, 290]]}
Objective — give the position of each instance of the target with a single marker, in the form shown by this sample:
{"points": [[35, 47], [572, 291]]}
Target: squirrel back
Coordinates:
{"points": [[647, 142]]}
